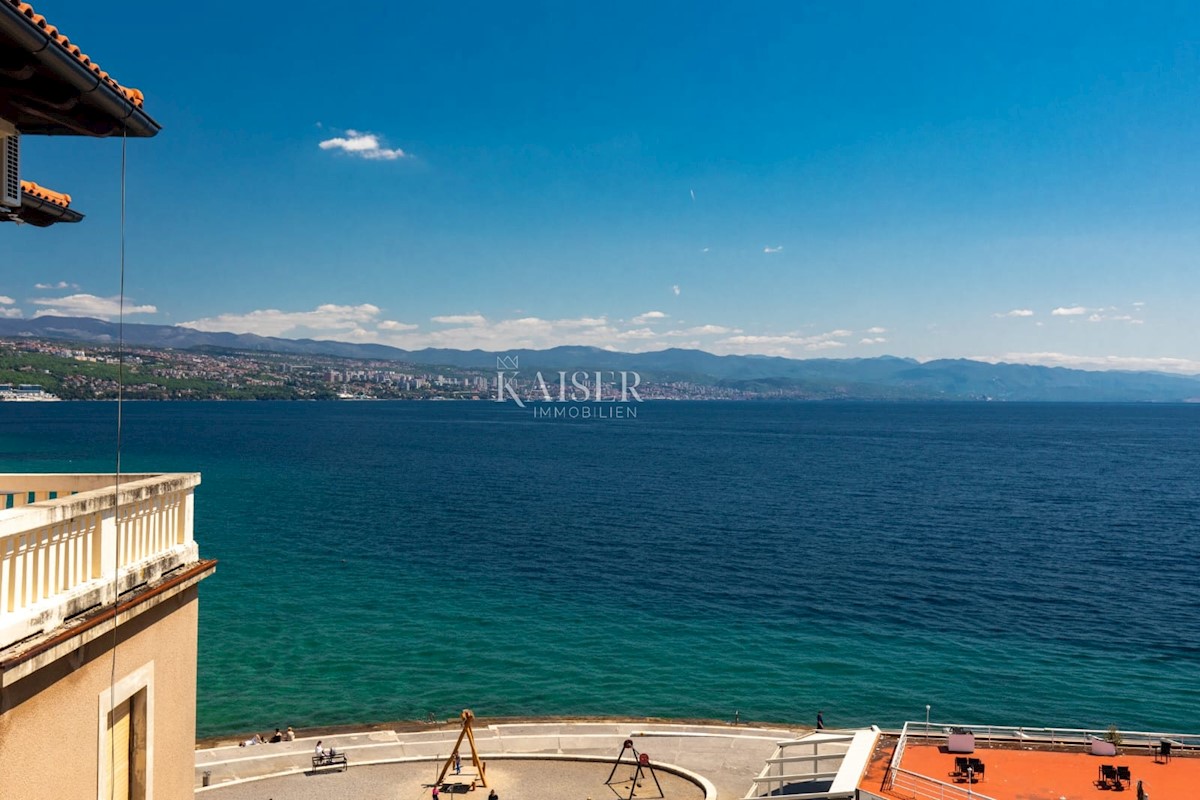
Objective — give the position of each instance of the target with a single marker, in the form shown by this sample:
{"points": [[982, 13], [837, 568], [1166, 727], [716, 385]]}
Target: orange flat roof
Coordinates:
{"points": [[1027, 774]]}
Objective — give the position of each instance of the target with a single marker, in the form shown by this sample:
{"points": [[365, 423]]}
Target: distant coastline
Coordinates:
{"points": [[77, 359]]}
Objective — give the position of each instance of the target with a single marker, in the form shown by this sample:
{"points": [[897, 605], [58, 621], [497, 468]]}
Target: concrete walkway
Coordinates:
{"points": [[724, 757]]}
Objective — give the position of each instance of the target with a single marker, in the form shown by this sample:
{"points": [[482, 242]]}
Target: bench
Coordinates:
{"points": [[331, 760]]}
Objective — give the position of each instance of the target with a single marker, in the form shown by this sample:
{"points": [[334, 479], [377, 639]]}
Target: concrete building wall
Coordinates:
{"points": [[52, 722]]}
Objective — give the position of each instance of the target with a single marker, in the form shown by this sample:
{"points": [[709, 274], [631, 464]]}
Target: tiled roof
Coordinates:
{"points": [[132, 95], [40, 207], [42, 193]]}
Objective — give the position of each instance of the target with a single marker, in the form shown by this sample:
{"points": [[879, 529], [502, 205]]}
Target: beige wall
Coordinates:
{"points": [[50, 720]]}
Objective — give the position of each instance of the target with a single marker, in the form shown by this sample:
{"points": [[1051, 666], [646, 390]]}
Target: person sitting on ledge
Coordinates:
{"points": [[290, 736], [278, 737]]}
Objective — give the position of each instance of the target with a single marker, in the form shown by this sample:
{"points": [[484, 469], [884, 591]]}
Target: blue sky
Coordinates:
{"points": [[1016, 181]]}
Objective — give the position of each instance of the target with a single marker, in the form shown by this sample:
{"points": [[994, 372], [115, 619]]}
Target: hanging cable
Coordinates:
{"points": [[112, 671]]}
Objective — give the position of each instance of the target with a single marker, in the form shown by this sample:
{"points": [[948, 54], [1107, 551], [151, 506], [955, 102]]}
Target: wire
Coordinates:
{"points": [[112, 671]]}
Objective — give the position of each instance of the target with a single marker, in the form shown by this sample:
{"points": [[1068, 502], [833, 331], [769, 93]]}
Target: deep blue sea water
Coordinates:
{"points": [[1013, 564]]}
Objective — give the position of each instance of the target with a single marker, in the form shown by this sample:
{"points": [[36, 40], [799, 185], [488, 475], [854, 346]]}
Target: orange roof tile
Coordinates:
{"points": [[42, 193], [134, 96]]}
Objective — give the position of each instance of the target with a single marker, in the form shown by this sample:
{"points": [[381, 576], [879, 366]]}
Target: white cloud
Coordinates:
{"points": [[87, 305], [704, 249], [1114, 318], [363, 145], [324, 320], [1185, 366], [1070, 311], [710, 330], [638, 333], [6, 301], [778, 249], [642, 319], [877, 330], [460, 319], [1139, 304], [59, 285], [588, 322], [527, 332], [10, 313], [872, 340], [1020, 312], [790, 344], [393, 325], [365, 323], [676, 289]]}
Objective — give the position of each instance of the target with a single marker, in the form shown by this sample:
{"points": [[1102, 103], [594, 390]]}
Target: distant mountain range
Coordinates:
{"points": [[885, 377]]}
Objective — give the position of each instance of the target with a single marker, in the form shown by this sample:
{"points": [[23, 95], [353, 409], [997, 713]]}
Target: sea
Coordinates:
{"points": [[1023, 564]]}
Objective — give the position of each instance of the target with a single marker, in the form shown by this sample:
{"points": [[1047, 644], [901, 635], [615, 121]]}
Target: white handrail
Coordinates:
{"points": [[59, 555], [1066, 736], [925, 788]]}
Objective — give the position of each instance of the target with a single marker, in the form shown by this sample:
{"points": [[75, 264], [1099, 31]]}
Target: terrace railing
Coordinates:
{"points": [[71, 542], [920, 787]]}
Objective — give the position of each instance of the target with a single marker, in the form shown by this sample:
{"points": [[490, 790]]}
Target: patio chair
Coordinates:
{"points": [[1123, 775], [979, 769], [960, 766], [1164, 753], [1108, 776]]}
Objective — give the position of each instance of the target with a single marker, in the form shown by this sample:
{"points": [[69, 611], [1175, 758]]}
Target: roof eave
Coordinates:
{"points": [[129, 118], [41, 213]]}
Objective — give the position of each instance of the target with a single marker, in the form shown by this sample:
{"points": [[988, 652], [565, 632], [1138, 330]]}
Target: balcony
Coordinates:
{"points": [[71, 543]]}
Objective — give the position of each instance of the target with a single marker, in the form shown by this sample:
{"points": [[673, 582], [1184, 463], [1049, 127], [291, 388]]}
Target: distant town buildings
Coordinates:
{"points": [[90, 373]]}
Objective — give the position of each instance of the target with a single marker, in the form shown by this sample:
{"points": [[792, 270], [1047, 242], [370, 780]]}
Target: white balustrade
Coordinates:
{"points": [[71, 542]]}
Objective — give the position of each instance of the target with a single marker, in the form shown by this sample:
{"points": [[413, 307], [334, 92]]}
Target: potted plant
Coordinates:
{"points": [[1113, 735]]}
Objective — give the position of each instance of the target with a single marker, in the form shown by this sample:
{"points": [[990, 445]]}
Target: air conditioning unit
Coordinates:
{"points": [[10, 166]]}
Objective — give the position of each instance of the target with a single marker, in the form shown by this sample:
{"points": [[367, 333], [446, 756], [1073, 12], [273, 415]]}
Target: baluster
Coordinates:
{"points": [[53, 561], [139, 531], [7, 559], [41, 551], [23, 559], [95, 544]]}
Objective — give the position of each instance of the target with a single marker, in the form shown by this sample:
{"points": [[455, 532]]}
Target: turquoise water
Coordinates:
{"points": [[1020, 564]]}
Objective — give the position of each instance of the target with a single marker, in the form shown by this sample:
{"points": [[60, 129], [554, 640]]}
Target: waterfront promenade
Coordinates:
{"points": [[525, 761]]}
